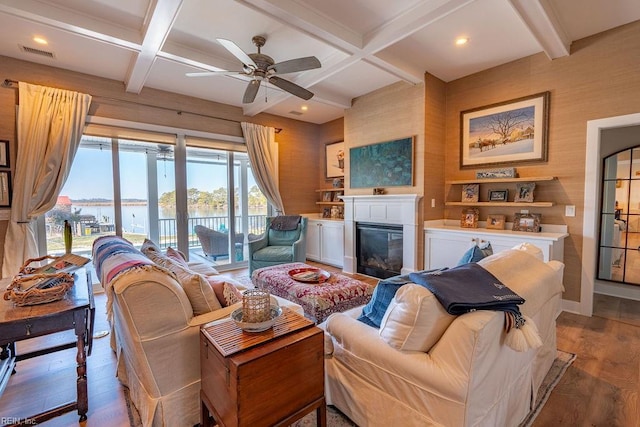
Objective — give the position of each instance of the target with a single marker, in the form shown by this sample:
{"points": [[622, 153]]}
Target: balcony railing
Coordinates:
{"points": [[168, 228]]}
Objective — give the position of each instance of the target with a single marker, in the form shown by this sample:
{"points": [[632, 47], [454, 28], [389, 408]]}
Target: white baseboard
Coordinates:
{"points": [[571, 306]]}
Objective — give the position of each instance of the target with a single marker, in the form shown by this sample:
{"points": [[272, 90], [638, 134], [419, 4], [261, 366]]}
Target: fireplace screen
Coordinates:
{"points": [[379, 249]]}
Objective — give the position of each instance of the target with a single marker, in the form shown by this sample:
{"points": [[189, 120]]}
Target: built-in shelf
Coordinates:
{"points": [[499, 180], [329, 189], [539, 204], [330, 203], [508, 204]]}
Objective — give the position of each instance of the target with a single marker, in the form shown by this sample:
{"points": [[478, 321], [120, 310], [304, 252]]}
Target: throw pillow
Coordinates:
{"points": [[198, 290], [530, 249], [177, 256], [385, 290], [149, 246], [225, 292], [475, 254], [415, 319]]}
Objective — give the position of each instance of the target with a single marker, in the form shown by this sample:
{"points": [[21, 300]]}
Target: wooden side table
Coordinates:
{"points": [[76, 311], [271, 378]]}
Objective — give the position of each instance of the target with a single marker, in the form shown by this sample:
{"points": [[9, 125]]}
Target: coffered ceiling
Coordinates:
{"points": [[362, 45]]}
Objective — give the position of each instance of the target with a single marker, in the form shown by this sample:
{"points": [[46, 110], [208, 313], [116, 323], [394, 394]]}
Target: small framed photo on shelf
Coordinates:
{"points": [[326, 213], [524, 192], [527, 222], [336, 196], [326, 196], [496, 222], [469, 218], [470, 192], [498, 195]]}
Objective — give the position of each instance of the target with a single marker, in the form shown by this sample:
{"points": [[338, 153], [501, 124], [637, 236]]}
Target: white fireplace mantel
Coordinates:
{"points": [[399, 209]]}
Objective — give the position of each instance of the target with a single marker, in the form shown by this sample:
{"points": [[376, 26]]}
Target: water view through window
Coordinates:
{"points": [[141, 201]]}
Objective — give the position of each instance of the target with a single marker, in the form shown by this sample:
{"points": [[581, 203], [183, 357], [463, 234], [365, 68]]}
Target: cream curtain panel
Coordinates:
{"points": [[50, 125], [262, 155]]}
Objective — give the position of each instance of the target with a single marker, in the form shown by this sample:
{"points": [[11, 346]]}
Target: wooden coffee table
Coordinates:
{"points": [[270, 378]]}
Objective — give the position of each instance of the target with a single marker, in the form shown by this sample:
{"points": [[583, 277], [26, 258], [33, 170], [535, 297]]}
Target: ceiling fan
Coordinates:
{"points": [[262, 67]]}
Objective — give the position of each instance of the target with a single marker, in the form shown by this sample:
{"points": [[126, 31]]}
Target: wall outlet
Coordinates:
{"points": [[433, 203], [570, 210], [524, 211]]}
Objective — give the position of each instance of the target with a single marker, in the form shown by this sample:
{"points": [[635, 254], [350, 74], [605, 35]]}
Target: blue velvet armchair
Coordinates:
{"points": [[278, 246]]}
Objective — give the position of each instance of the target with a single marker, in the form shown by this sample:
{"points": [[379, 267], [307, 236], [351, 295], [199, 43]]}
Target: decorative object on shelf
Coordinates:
{"points": [[68, 237], [524, 192], [496, 173], [496, 222], [527, 222], [470, 193], [5, 189], [507, 132], [4, 153], [326, 196], [388, 164], [335, 212], [334, 159], [336, 196], [338, 182], [378, 191], [326, 212], [498, 195], [469, 218]]}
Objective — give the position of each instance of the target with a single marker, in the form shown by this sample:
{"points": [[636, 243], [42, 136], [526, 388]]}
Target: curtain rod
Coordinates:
{"points": [[8, 83]]}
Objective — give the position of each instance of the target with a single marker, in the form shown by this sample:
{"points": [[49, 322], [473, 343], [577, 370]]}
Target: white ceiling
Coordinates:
{"points": [[363, 45]]}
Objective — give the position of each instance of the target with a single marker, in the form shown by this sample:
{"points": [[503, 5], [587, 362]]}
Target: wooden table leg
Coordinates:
{"points": [[321, 415], [81, 359]]}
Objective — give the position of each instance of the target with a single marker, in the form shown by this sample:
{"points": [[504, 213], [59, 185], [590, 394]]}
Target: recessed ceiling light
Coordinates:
{"points": [[40, 40], [462, 41], [304, 108]]}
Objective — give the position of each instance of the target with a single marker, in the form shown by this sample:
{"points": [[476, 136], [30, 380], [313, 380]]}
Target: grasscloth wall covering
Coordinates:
{"points": [[601, 78]]}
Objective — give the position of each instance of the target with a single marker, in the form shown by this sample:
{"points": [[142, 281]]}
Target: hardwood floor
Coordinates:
{"points": [[600, 389]]}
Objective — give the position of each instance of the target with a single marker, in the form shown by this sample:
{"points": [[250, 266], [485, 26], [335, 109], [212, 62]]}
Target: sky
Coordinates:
{"points": [[91, 176]]}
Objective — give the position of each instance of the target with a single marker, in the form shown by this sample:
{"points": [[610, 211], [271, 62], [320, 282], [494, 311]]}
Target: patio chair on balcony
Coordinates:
{"points": [[215, 244]]}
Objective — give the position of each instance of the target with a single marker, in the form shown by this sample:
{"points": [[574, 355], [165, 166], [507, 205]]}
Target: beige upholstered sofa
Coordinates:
{"points": [[156, 333], [469, 377]]}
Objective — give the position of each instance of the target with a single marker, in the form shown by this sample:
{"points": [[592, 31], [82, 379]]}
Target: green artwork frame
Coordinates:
{"points": [[385, 164]]}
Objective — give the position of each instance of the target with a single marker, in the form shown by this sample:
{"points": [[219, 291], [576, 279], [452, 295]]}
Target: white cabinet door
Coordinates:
{"points": [[332, 243], [313, 240], [445, 249]]}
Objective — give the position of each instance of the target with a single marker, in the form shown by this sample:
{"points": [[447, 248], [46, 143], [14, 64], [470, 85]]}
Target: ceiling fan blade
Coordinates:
{"points": [[237, 52], [213, 73], [292, 88], [295, 65], [251, 91]]}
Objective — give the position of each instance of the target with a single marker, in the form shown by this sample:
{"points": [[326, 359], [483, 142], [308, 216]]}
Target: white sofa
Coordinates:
{"points": [[156, 334], [469, 377]]}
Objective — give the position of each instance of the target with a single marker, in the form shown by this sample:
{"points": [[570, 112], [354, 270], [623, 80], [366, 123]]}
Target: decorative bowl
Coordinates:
{"points": [[276, 311]]}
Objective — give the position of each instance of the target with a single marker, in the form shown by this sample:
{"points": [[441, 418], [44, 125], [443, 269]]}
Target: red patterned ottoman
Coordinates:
{"points": [[319, 300]]}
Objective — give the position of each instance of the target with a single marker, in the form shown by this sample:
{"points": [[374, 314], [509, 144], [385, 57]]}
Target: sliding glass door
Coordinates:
{"points": [[136, 188]]}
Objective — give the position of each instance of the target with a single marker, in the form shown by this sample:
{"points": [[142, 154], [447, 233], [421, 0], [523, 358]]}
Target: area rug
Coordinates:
{"points": [[335, 418]]}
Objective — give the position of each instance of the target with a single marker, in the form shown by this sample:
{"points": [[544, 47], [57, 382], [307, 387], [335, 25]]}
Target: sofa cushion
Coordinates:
{"points": [[283, 238], [177, 256], [199, 292], [149, 245], [414, 320], [273, 253]]}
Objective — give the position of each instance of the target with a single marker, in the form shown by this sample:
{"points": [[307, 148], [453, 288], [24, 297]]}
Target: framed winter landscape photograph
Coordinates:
{"points": [[514, 131]]}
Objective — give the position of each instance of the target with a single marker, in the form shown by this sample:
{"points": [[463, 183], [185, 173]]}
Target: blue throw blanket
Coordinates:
{"points": [[467, 288]]}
